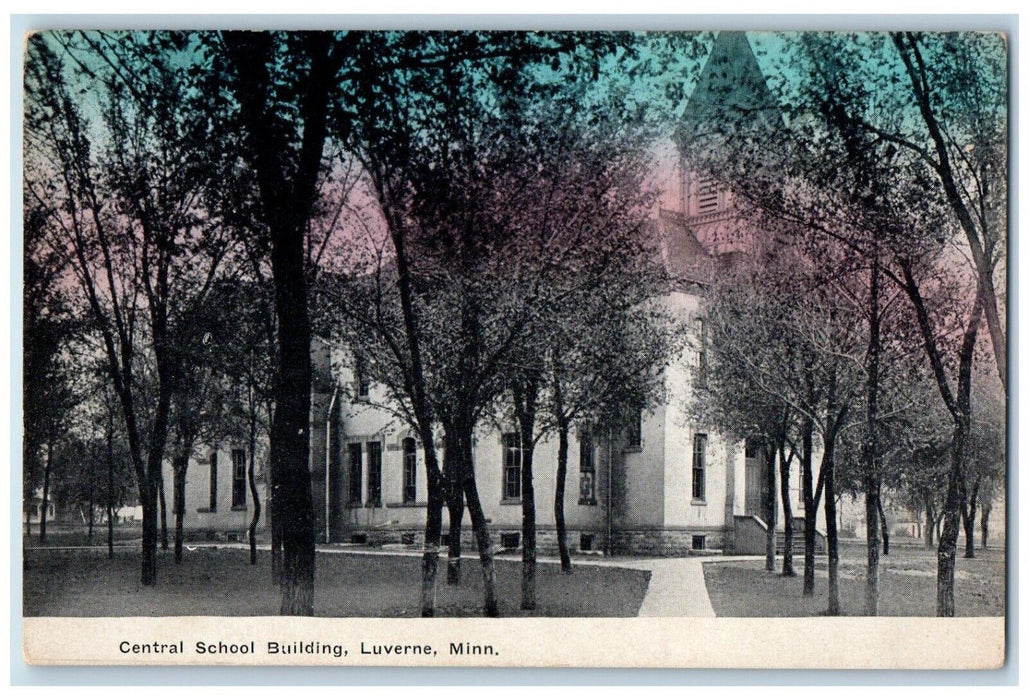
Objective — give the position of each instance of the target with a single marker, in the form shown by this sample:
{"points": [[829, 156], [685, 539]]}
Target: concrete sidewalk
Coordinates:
{"points": [[677, 587]]}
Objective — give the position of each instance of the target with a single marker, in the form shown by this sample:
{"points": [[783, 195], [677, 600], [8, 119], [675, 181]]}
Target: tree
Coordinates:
{"points": [[851, 169], [432, 123], [605, 363], [782, 345], [124, 190], [50, 329], [958, 85], [986, 456], [284, 110]]}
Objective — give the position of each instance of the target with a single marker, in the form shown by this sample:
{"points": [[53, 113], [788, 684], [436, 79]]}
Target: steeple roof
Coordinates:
{"points": [[731, 94]]}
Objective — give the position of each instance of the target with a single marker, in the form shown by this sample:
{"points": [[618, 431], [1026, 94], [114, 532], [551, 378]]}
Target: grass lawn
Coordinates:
{"points": [[907, 585], [62, 536], [84, 583]]}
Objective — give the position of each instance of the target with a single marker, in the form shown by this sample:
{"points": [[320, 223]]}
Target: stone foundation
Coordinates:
{"points": [[667, 542], [649, 542]]}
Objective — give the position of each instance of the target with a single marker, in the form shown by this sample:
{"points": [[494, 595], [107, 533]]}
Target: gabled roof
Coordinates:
{"points": [[684, 257], [731, 94]]}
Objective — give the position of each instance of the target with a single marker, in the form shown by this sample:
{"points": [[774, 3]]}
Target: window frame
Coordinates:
{"points": [[374, 488], [213, 495], [362, 384], [698, 481], [587, 470], [355, 468], [511, 462], [409, 486], [239, 479]]}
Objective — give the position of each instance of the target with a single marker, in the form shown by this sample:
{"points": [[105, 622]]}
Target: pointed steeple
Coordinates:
{"points": [[731, 95]]}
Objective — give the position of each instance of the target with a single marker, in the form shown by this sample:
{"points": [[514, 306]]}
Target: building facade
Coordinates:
{"points": [[661, 485]]}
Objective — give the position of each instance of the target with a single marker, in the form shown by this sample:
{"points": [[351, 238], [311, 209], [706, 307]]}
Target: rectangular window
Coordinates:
{"points": [[214, 482], [354, 472], [587, 471], [362, 385], [699, 462], [512, 467], [375, 473], [239, 479], [634, 432], [410, 470]]}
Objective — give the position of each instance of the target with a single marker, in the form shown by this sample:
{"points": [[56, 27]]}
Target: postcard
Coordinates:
{"points": [[677, 349]]}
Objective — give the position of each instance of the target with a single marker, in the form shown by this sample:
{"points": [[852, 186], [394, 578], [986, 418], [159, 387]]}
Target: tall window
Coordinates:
{"points": [[634, 432], [354, 472], [375, 473], [587, 470], [214, 482], [512, 467], [239, 479], [362, 385], [699, 465], [410, 470]]}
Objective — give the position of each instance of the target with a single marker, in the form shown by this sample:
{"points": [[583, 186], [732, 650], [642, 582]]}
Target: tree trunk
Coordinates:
{"points": [[968, 517], [164, 511], [810, 509], [930, 523], [770, 507], [90, 536], [148, 574], [831, 535], [452, 465], [947, 548], [46, 493], [273, 524], [559, 496], [290, 469], [288, 188], [968, 522], [527, 425], [787, 507], [433, 524], [252, 479], [870, 448], [110, 529], [872, 549], [984, 524], [28, 522], [179, 468], [525, 396], [884, 526], [489, 575], [276, 536], [110, 490]]}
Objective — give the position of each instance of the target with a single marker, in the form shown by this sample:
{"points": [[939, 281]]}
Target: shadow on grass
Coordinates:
{"points": [[210, 581], [907, 586]]}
